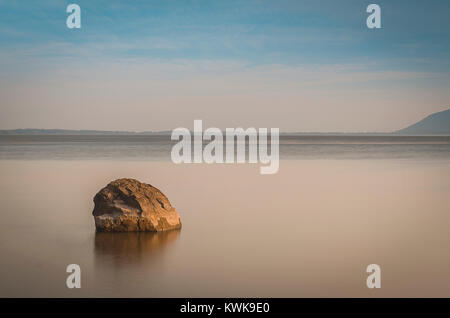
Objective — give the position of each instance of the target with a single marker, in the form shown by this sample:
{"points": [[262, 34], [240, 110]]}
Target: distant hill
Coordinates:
{"points": [[76, 132], [68, 132], [434, 124]]}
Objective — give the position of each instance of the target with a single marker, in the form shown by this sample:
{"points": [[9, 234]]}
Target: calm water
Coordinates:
{"points": [[157, 148], [337, 204]]}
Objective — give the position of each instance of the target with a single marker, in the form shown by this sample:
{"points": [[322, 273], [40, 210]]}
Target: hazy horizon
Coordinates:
{"points": [[440, 115]]}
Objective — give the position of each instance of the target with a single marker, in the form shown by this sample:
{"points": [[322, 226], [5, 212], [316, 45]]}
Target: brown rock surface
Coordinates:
{"points": [[127, 205]]}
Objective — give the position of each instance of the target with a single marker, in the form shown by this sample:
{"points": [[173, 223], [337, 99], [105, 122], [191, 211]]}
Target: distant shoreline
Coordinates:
{"points": [[436, 124], [64, 132]]}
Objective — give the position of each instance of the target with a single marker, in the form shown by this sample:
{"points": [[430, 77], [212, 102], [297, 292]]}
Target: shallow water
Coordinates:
{"points": [[309, 230]]}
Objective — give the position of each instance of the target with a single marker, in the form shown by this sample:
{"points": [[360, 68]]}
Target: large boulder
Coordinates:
{"points": [[127, 205]]}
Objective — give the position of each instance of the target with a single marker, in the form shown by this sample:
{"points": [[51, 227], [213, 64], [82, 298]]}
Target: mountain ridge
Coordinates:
{"points": [[433, 124]]}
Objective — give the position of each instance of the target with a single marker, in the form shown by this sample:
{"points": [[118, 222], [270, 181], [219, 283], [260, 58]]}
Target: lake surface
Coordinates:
{"points": [[337, 204], [157, 148]]}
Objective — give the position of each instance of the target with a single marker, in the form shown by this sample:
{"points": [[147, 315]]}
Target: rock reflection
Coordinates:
{"points": [[132, 247]]}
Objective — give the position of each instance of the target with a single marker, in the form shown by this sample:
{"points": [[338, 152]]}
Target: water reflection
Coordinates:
{"points": [[132, 247]]}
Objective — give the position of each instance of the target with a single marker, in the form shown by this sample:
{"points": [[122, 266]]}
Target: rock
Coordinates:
{"points": [[127, 205]]}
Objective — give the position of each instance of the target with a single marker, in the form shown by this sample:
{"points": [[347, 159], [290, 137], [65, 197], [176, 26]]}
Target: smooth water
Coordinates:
{"points": [[158, 147], [337, 204]]}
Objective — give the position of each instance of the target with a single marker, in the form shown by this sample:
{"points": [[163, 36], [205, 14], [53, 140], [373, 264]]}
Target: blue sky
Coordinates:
{"points": [[256, 31], [292, 41]]}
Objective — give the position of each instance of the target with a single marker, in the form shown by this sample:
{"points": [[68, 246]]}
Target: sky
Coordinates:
{"points": [[306, 66]]}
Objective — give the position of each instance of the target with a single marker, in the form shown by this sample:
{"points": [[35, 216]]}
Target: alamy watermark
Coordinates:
{"points": [[73, 21], [374, 19], [374, 279], [235, 146], [74, 279]]}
